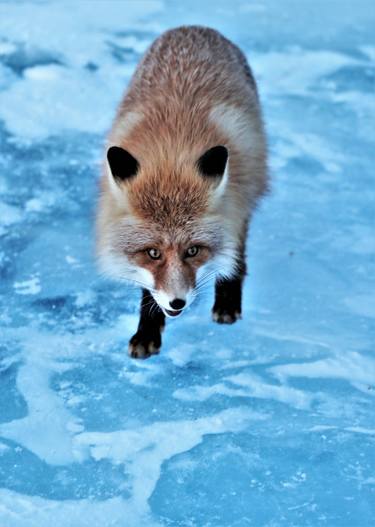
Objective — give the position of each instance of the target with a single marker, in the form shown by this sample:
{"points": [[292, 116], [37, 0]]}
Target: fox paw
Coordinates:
{"points": [[143, 345], [224, 315]]}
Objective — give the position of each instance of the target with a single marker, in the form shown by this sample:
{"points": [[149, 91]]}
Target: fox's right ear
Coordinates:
{"points": [[212, 164], [122, 164]]}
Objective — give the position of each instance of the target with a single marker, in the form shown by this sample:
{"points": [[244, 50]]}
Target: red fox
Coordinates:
{"points": [[184, 168]]}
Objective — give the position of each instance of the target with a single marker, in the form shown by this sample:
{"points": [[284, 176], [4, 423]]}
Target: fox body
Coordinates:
{"points": [[185, 166]]}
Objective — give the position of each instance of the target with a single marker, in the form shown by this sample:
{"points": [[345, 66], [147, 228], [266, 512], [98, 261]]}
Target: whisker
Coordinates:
{"points": [[151, 302], [206, 278], [210, 273], [154, 309], [204, 282], [138, 282]]}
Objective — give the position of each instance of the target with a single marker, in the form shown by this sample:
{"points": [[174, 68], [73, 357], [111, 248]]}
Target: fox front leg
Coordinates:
{"points": [[227, 306], [147, 340], [228, 296]]}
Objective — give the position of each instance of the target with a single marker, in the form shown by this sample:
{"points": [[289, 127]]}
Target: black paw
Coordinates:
{"points": [[142, 345], [225, 315]]}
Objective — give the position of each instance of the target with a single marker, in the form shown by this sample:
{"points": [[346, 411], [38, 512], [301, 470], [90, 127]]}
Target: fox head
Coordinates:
{"points": [[162, 226]]}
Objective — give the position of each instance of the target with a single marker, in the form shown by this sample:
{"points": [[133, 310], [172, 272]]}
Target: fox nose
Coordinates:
{"points": [[177, 303]]}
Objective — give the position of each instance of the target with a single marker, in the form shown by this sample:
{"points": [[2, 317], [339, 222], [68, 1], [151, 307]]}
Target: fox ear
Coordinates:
{"points": [[122, 164], [213, 162]]}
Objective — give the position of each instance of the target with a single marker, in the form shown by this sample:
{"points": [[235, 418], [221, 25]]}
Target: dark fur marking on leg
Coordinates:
{"points": [[228, 296], [147, 339], [227, 307]]}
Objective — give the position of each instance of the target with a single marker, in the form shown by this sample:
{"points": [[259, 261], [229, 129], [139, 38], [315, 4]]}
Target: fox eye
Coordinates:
{"points": [[192, 251], [154, 254]]}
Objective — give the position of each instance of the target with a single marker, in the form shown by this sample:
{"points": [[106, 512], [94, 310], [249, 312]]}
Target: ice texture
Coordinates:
{"points": [[269, 422]]}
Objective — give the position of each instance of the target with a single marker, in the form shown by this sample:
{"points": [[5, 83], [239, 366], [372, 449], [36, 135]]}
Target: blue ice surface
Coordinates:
{"points": [[270, 422]]}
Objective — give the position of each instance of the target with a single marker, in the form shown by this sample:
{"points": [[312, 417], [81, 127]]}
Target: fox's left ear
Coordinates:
{"points": [[213, 162]]}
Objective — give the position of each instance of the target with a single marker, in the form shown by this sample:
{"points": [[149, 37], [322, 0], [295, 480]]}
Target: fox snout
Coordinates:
{"points": [[173, 305], [177, 306]]}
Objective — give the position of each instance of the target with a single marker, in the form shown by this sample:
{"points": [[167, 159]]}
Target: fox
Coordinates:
{"points": [[185, 166]]}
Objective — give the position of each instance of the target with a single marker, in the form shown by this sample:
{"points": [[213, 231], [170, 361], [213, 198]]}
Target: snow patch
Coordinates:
{"points": [[248, 385], [9, 215], [144, 450], [28, 287], [350, 366], [256, 387], [46, 410], [296, 71], [52, 98]]}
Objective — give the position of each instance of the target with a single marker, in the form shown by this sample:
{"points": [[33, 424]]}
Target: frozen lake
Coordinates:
{"points": [[269, 422]]}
